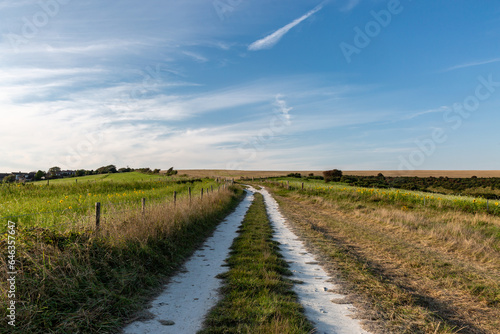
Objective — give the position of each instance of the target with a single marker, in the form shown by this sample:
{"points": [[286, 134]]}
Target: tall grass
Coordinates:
{"points": [[62, 203], [414, 268], [77, 281], [395, 196]]}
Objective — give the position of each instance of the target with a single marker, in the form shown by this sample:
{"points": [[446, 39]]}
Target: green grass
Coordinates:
{"points": [[131, 176], [77, 282], [65, 201], [421, 269], [399, 197], [257, 296]]}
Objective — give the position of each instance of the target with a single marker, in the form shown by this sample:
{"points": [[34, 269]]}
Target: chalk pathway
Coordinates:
{"points": [[327, 317], [183, 305]]}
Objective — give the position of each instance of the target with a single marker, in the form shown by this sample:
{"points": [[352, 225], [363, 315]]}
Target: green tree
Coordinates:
{"points": [[39, 175], [9, 178], [53, 171]]}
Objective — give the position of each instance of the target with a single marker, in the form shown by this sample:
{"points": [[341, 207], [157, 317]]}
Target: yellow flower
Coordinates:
{"points": [[496, 203], [70, 208], [61, 201], [66, 197]]}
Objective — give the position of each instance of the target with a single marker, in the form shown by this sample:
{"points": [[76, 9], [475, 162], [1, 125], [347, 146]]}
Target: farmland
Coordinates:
{"points": [[410, 261], [413, 266], [394, 173], [71, 201], [72, 278]]}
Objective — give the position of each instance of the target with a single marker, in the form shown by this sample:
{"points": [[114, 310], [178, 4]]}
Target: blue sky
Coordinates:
{"points": [[239, 84]]}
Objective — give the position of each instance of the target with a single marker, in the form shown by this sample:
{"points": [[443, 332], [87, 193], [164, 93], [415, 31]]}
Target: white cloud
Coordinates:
{"points": [[271, 40], [429, 111], [350, 5], [477, 63], [199, 58]]}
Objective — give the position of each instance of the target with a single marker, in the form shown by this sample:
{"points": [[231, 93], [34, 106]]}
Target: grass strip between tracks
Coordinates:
{"points": [[258, 298]]}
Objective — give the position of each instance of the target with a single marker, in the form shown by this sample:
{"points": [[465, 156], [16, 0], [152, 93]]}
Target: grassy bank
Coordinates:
{"points": [[78, 282], [62, 202], [415, 269], [257, 296]]}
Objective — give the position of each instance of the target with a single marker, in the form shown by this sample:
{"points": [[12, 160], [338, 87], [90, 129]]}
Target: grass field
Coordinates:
{"points": [[71, 279], [412, 268], [419, 173], [407, 199], [70, 201]]}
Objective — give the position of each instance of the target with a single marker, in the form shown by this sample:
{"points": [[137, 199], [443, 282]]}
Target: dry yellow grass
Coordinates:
{"points": [[80, 281], [421, 270], [419, 173]]}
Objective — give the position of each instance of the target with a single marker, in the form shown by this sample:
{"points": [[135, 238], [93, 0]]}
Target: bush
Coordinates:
{"points": [[332, 175], [9, 178]]}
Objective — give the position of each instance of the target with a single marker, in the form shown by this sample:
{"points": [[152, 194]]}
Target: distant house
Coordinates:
{"points": [[30, 176], [65, 173], [20, 176], [3, 175]]}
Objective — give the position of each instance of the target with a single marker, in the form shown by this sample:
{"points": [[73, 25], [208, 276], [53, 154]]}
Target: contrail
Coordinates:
{"points": [[270, 40]]}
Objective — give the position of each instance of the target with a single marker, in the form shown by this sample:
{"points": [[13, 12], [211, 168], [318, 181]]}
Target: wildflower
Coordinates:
{"points": [[61, 201], [496, 203], [70, 207]]}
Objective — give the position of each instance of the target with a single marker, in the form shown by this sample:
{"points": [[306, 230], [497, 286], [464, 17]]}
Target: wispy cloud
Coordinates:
{"points": [[430, 111], [477, 63], [197, 57], [271, 40], [350, 5]]}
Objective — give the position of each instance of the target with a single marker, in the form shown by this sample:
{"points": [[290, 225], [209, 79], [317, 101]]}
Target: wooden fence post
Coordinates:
{"points": [[97, 216], [143, 206], [189, 191], [302, 185], [201, 193], [212, 188], [175, 198]]}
